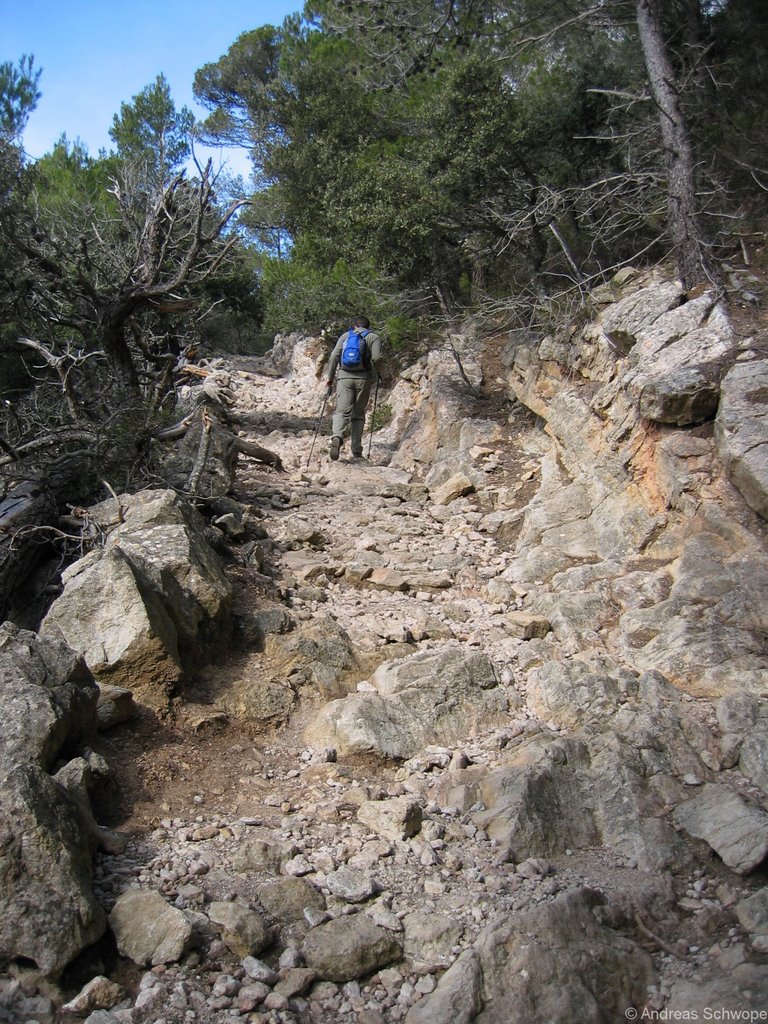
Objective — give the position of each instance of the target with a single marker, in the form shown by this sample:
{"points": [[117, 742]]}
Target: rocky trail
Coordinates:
{"points": [[490, 740], [358, 545]]}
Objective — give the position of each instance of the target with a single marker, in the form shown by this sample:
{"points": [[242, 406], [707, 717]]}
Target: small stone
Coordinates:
{"points": [[298, 866], [259, 971], [275, 1001], [99, 994], [251, 996]]}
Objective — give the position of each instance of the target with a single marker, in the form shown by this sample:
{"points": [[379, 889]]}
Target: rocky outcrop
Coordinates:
{"points": [[630, 516], [678, 352], [600, 973], [147, 930]]}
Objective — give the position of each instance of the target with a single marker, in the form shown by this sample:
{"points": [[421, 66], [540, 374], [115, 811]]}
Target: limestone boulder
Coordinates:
{"points": [[396, 818], [431, 697], [677, 367], [147, 929], [286, 899], [151, 605], [624, 321], [111, 616], [262, 855], [164, 538], [349, 947], [99, 994], [243, 930], [48, 913], [49, 698], [736, 830]]}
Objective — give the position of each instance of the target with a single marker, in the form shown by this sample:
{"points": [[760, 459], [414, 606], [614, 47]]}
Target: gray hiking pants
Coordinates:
{"points": [[352, 394]]}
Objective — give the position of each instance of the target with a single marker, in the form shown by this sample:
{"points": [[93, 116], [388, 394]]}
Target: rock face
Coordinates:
{"points": [[508, 978], [150, 605], [48, 913], [735, 830], [632, 519], [678, 356]]}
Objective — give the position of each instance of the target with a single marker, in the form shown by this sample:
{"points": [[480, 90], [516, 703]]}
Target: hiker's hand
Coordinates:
{"points": [[329, 387]]}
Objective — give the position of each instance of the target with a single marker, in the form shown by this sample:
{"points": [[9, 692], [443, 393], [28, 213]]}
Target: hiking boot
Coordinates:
{"points": [[335, 448], [357, 455]]}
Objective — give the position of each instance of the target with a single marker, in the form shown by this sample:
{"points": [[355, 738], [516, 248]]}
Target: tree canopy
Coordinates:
{"points": [[494, 150]]}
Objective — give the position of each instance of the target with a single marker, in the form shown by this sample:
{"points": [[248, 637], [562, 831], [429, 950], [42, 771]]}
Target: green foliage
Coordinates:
{"points": [[19, 94], [72, 187], [382, 417], [402, 332], [235, 302], [301, 296]]}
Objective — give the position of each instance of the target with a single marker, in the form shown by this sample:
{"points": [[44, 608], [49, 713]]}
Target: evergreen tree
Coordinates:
{"points": [[150, 133], [19, 94]]}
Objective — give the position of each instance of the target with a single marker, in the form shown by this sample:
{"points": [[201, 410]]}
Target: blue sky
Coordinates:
{"points": [[96, 55]]}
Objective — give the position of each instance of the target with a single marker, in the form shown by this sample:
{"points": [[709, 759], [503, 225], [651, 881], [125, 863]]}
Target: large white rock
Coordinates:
{"points": [[736, 831], [429, 697], [147, 929], [119, 626]]}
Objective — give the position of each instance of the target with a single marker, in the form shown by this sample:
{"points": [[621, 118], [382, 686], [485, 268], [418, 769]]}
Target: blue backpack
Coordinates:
{"points": [[354, 354]]}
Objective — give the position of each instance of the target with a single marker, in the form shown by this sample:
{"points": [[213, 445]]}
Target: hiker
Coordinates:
{"points": [[354, 363]]}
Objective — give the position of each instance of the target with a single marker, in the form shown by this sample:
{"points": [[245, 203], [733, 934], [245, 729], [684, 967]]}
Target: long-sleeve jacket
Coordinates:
{"points": [[374, 346]]}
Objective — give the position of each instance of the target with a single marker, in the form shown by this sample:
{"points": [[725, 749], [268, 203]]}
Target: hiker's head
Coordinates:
{"points": [[362, 321]]}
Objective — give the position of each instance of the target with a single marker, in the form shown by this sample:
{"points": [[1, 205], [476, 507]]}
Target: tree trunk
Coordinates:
{"points": [[693, 263], [117, 351]]}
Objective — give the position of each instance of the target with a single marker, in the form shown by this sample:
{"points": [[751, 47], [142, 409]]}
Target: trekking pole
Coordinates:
{"points": [[317, 428], [373, 414]]}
